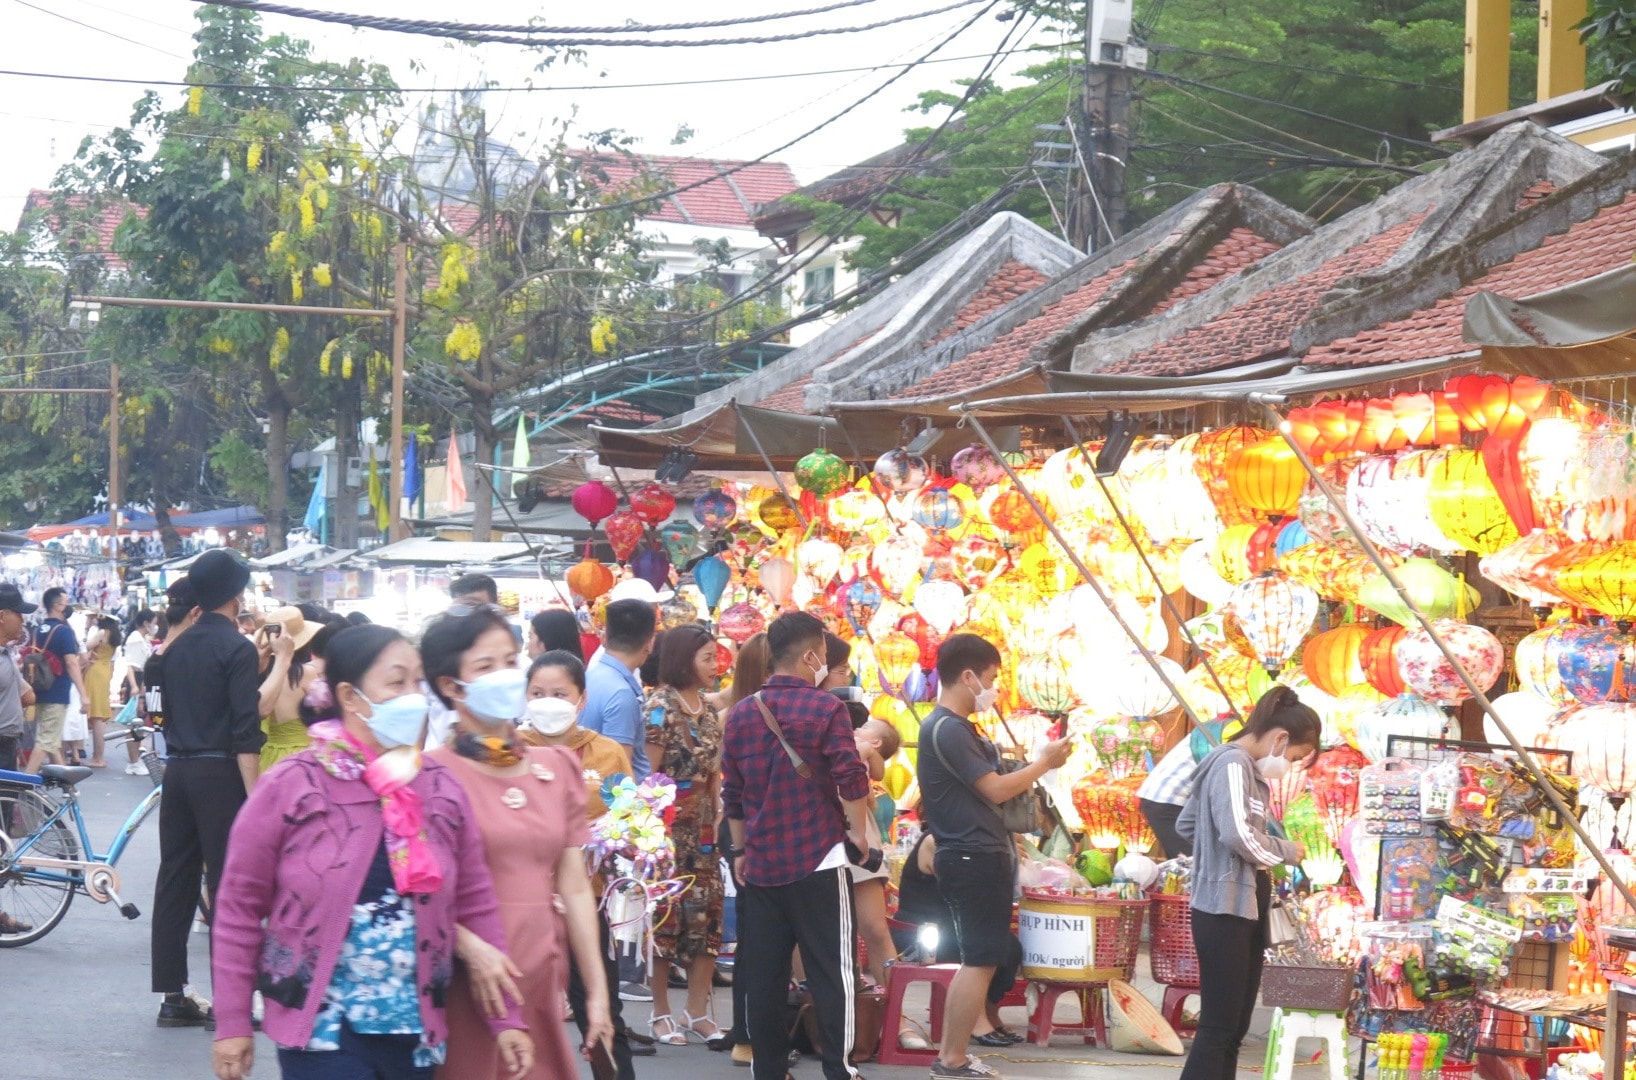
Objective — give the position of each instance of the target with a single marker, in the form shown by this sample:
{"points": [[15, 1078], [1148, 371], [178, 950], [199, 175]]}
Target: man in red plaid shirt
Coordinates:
{"points": [[792, 806]]}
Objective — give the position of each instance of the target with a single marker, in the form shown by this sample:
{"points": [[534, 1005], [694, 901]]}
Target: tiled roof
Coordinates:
{"points": [[791, 398], [721, 201], [1010, 353], [1237, 250], [1591, 247], [110, 214], [1260, 326], [1008, 282]]}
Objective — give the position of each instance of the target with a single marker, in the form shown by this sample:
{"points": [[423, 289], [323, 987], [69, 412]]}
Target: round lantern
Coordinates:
{"points": [[1267, 477], [1292, 536], [1010, 513], [714, 510], [778, 514], [1603, 741], [1525, 713], [1211, 453], [1102, 632], [1275, 613], [1605, 581], [1385, 506], [855, 511], [1593, 661], [1200, 577], [1539, 664], [1512, 567], [653, 567], [860, 599], [1465, 505], [1045, 686], [1331, 658], [1318, 515], [940, 603], [741, 622], [1045, 570], [1131, 687], [1405, 716], [1434, 590], [976, 467], [939, 510], [652, 503], [822, 473], [900, 472], [897, 656], [778, 578], [978, 561], [1169, 499], [711, 575], [625, 531], [589, 579], [1427, 671], [1377, 655], [679, 538], [819, 559], [897, 562], [1261, 553], [1554, 456], [1230, 555], [594, 501], [678, 611]]}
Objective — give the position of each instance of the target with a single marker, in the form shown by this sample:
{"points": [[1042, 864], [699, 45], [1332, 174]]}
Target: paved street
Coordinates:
{"points": [[76, 1005]]}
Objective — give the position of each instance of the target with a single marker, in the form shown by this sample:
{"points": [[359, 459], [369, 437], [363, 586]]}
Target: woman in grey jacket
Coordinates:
{"points": [[1225, 820]]}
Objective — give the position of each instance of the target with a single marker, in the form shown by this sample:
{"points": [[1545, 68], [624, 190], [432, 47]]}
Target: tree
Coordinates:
{"points": [[1609, 31]]}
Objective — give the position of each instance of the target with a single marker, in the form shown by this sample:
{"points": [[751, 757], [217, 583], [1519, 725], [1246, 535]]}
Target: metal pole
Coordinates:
{"points": [[1544, 787], [1084, 571], [113, 464], [222, 305], [768, 461], [395, 530]]}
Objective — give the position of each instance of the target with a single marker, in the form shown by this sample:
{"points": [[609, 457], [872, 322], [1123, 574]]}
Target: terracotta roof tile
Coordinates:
{"points": [[1260, 326], [792, 398], [110, 213], [1237, 250], [1591, 247], [1010, 281], [722, 201]]}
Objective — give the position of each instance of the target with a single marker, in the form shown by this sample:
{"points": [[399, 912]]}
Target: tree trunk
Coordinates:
{"points": [[278, 472], [168, 536], [482, 499], [346, 504]]}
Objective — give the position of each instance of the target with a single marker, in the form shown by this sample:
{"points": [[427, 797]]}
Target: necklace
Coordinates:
{"points": [[691, 710]]}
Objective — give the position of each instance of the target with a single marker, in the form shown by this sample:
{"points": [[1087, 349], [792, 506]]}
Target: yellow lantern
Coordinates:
{"points": [[1464, 504], [855, 511], [1045, 570], [1211, 454], [897, 655], [1605, 581], [1230, 555], [1267, 476]]}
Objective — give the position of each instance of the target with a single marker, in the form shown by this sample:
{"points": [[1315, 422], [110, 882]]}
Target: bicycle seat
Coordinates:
{"points": [[65, 775]]}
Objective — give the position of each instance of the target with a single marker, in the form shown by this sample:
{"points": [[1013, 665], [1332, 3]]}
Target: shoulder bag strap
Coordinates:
{"points": [[938, 750], [772, 725]]}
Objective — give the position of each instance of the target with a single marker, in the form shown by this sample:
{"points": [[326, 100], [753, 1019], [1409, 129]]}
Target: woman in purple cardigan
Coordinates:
{"points": [[348, 873]]}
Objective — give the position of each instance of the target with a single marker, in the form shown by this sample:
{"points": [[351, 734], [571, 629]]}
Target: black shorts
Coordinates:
{"points": [[978, 887]]}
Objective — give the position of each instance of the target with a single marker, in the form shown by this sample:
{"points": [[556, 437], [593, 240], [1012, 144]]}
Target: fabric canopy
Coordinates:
{"points": [[1583, 330], [727, 438]]}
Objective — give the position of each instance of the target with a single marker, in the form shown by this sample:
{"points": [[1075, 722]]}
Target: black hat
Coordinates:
{"points": [[179, 595], [217, 577], [11, 599]]}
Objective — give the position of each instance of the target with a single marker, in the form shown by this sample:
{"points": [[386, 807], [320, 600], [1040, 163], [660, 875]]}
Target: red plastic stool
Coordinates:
{"points": [[1175, 998], [898, 978], [1093, 1023]]}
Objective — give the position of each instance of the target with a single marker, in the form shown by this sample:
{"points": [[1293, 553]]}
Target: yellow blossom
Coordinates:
{"points": [[321, 275], [346, 364], [324, 357], [279, 349], [602, 335], [309, 216], [276, 245], [464, 342], [321, 196], [195, 99], [219, 344], [296, 291], [252, 156]]}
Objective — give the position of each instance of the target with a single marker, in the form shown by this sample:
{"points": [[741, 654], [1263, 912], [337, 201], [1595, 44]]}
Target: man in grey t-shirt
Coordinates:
{"points": [[12, 609]]}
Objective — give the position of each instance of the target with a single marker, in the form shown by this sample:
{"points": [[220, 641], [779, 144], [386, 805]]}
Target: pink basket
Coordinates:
{"points": [[1171, 956]]}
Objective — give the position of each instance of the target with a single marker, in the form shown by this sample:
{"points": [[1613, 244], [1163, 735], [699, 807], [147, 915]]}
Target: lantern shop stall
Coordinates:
{"points": [[1441, 563]]}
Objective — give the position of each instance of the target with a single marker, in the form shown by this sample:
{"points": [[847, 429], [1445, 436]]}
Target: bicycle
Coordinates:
{"points": [[46, 855]]}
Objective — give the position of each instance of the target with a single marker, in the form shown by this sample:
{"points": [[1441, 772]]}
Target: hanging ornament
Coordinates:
{"points": [[1427, 671], [1512, 567], [1211, 453], [624, 530], [1011, 514], [1318, 515], [1200, 577], [1331, 659], [1554, 456], [778, 578], [1102, 632], [589, 579], [652, 566], [1593, 662], [940, 603], [741, 622], [976, 467], [680, 540], [1464, 504], [1045, 686], [679, 611], [861, 599], [897, 656], [711, 575], [594, 501], [886, 619], [1603, 741], [897, 563], [819, 559], [1275, 613], [1230, 555], [1434, 590], [856, 511], [1377, 655], [1605, 582], [1046, 570], [1385, 507], [714, 510], [900, 472], [652, 503], [978, 561], [1405, 716], [1132, 687], [777, 515], [1539, 664], [822, 473], [1525, 713], [939, 509], [1267, 477]]}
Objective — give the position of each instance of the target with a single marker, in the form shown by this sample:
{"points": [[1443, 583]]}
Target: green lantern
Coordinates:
{"points": [[822, 473]]}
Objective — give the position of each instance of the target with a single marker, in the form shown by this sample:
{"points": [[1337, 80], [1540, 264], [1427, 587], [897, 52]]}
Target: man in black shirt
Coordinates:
{"points": [[209, 687]]}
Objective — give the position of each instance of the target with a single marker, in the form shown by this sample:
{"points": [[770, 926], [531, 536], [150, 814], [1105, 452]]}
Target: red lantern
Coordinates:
{"points": [[594, 501], [1504, 468], [925, 637], [624, 531], [1377, 654], [1266, 476], [1262, 550], [652, 503], [1331, 659]]}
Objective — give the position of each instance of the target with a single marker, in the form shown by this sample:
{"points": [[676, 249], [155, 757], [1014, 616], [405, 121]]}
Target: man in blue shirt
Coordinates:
{"points": [[57, 640], [613, 694]]}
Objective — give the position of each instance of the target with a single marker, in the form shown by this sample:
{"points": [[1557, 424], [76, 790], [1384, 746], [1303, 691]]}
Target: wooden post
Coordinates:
{"points": [[400, 316]]}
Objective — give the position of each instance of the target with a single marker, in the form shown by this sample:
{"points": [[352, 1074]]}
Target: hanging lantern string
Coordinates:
{"points": [[1523, 754], [1164, 597], [767, 460], [967, 416]]}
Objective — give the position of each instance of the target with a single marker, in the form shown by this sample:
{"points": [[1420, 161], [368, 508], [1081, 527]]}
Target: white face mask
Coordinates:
{"points": [[985, 697], [820, 672], [550, 716], [1275, 766]]}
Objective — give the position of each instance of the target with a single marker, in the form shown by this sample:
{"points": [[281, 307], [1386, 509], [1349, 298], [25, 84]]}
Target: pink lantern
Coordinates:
{"points": [[778, 578], [976, 467], [1427, 671], [594, 501], [1406, 716], [624, 531], [1275, 612], [742, 621]]}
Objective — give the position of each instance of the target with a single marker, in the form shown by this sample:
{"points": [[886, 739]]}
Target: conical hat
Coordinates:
{"points": [[1135, 1026]]}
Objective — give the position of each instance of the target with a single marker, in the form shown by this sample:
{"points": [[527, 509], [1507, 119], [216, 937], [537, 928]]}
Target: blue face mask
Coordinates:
{"points": [[498, 697], [399, 721]]}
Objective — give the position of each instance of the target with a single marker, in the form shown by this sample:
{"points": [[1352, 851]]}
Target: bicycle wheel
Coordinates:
{"points": [[25, 898]]}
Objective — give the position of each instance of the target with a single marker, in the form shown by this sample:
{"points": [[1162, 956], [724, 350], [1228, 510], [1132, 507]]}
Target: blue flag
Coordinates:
{"points": [[314, 521], [411, 469]]}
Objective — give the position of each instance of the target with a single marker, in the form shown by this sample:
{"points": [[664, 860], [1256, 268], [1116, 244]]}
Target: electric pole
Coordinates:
{"points": [[1101, 130]]}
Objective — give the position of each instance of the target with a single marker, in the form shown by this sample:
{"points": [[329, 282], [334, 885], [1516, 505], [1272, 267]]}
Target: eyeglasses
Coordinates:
{"points": [[461, 609]]}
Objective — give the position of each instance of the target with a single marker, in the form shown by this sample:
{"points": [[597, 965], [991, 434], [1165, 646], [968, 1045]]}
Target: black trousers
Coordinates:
{"points": [[1161, 818], [576, 1000], [1231, 954], [202, 797], [814, 914]]}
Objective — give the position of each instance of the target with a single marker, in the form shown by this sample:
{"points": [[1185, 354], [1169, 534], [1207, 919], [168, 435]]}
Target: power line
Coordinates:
{"points": [[1287, 66], [100, 29], [458, 32]]}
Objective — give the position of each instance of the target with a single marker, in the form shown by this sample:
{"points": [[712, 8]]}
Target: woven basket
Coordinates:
{"points": [[1171, 956], [1310, 989], [1118, 938]]}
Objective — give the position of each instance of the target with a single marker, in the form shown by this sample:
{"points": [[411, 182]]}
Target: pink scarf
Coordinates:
{"points": [[414, 869]]}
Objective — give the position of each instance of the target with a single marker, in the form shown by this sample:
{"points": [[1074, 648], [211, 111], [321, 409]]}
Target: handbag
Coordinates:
{"points": [[868, 1019], [1018, 814]]}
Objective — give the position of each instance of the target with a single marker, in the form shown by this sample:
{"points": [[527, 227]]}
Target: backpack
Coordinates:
{"points": [[40, 666]]}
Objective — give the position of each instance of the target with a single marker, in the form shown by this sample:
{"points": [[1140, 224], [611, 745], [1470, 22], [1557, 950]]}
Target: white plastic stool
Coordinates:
{"points": [[1291, 1024]]}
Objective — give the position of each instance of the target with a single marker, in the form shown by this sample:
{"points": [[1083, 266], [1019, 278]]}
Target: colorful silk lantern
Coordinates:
{"points": [[819, 559], [1465, 505], [1603, 741], [861, 599], [1554, 457], [624, 530], [1317, 514], [680, 540], [1230, 555], [1605, 581], [822, 473], [589, 579], [1200, 577], [1387, 504], [741, 622], [978, 561], [1131, 687], [714, 510], [896, 655], [1593, 662], [679, 611], [976, 467], [594, 501], [1438, 593], [900, 472], [1525, 713], [1011, 514], [1377, 655], [1045, 686], [778, 578], [652, 566], [940, 603], [1266, 476], [1211, 453], [1331, 659], [1046, 570], [1334, 779], [777, 514], [939, 510], [1405, 716], [652, 503], [711, 575], [1538, 664], [897, 562], [1427, 671], [1512, 567], [1275, 613]]}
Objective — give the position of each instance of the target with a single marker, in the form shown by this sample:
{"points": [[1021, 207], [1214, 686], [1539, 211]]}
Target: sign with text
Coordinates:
{"points": [[1061, 940]]}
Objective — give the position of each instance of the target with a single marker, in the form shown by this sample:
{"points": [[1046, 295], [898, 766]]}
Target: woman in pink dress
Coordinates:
{"points": [[529, 803]]}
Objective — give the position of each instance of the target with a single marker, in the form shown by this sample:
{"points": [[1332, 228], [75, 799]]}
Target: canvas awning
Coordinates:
{"points": [[1583, 330], [726, 439]]}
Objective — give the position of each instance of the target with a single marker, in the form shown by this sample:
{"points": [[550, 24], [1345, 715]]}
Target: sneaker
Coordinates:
{"points": [[634, 991], [136, 769], [973, 1069], [186, 1010]]}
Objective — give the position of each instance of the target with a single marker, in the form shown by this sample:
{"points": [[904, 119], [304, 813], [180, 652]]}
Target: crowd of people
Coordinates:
{"points": [[386, 836]]}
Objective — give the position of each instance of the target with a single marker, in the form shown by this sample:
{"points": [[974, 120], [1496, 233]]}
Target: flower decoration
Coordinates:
{"points": [[1427, 671]]}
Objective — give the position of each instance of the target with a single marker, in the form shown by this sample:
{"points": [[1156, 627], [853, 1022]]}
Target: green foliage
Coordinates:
{"points": [[1609, 31]]}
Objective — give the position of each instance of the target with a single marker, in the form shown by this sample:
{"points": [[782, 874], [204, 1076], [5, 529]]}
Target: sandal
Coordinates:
{"points": [[715, 1040], [11, 925], [674, 1037], [913, 1039]]}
